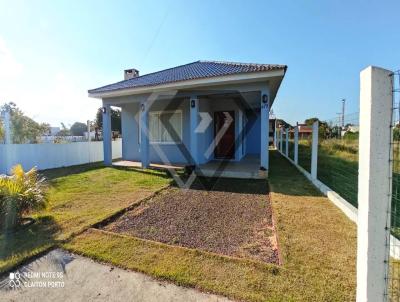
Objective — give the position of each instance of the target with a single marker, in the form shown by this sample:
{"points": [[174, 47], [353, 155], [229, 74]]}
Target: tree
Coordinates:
{"points": [[78, 129], [396, 133], [324, 131], [64, 131], [23, 128], [1, 132], [115, 119]]}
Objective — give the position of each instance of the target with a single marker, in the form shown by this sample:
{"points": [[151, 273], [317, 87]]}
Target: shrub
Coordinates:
{"points": [[350, 135], [19, 194]]}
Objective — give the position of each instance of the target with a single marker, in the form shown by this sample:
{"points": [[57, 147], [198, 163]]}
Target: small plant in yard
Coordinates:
{"points": [[20, 193]]}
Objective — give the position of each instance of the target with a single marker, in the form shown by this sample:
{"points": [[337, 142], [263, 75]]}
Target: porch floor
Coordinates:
{"points": [[247, 167], [138, 164]]}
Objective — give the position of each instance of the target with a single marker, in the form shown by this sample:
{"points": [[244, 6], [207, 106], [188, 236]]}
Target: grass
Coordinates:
{"points": [[79, 197], [317, 243], [338, 169]]}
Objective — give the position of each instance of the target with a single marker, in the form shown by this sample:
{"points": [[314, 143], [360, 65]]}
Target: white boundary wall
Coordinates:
{"points": [[48, 156]]}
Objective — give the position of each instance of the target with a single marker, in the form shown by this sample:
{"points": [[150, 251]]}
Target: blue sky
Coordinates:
{"points": [[52, 52]]}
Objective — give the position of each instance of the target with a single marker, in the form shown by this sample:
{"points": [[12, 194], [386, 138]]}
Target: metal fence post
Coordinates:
{"points": [[287, 143], [374, 183], [296, 145], [314, 150]]}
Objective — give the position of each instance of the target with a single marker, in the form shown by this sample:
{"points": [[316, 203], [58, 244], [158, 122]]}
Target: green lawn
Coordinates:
{"points": [[79, 197], [317, 243], [338, 169]]}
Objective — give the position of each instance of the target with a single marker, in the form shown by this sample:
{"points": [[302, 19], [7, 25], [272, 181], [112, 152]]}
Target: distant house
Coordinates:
{"points": [[53, 131], [194, 114], [276, 123], [305, 131]]}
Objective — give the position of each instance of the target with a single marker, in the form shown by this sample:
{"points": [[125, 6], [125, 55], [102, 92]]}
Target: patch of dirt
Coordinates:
{"points": [[226, 216]]}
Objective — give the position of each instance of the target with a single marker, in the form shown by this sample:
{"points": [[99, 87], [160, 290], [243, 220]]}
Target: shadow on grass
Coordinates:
{"points": [[151, 171], [286, 179], [67, 171], [29, 241]]}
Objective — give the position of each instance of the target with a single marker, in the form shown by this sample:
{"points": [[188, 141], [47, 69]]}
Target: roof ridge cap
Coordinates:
{"points": [[235, 63]]}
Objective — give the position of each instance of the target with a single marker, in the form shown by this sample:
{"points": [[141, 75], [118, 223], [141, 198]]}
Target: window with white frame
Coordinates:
{"points": [[163, 124]]}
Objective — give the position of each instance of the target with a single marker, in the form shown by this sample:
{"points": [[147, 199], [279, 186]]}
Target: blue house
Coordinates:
{"points": [[211, 115]]}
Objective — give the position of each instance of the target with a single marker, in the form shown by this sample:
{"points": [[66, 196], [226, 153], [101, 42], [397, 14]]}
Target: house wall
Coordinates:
{"points": [[130, 131], [174, 153], [205, 139], [253, 134], [248, 140]]}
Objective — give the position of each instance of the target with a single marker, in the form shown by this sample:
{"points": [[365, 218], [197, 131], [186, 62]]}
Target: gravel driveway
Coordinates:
{"points": [[229, 216]]}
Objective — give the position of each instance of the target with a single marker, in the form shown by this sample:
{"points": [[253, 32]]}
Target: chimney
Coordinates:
{"points": [[130, 73]]}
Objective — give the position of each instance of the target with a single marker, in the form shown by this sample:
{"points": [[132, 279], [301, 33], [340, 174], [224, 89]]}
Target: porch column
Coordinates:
{"points": [[107, 145], [194, 122], [281, 139], [264, 129], [275, 136], [144, 134]]}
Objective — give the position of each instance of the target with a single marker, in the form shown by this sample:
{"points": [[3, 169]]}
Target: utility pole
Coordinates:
{"points": [[343, 106]]}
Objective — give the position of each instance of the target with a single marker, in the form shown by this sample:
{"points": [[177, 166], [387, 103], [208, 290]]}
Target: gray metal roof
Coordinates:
{"points": [[191, 71]]}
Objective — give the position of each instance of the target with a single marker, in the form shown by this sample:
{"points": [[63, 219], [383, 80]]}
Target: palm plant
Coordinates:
{"points": [[20, 193]]}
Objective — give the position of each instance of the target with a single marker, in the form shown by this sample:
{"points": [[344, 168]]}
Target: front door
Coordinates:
{"points": [[224, 134]]}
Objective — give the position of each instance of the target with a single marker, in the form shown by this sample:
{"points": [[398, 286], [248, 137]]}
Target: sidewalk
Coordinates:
{"points": [[85, 280]]}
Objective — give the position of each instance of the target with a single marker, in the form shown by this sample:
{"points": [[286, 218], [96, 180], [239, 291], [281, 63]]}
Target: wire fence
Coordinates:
{"points": [[393, 276], [304, 152], [338, 155]]}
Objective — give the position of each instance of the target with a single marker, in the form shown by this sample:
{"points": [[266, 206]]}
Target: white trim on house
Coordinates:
{"points": [[188, 84]]}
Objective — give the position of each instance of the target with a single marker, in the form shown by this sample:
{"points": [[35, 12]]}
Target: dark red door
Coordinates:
{"points": [[224, 134]]}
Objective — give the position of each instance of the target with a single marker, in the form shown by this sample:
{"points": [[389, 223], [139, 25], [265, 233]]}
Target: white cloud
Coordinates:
{"points": [[9, 66]]}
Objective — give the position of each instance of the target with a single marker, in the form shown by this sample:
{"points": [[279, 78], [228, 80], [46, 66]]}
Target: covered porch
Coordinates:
{"points": [[218, 133]]}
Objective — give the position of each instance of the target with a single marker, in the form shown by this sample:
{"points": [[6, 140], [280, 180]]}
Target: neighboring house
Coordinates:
{"points": [[305, 131], [196, 114], [353, 128], [54, 130]]}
